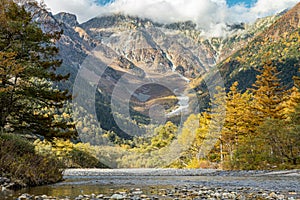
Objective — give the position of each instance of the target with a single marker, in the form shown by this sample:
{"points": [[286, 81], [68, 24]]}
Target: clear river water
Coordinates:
{"points": [[107, 181]]}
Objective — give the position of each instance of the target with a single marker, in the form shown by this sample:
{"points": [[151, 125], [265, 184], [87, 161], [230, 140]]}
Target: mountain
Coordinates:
{"points": [[165, 64], [153, 46], [279, 44]]}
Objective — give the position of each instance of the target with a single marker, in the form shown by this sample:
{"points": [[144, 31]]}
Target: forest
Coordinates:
{"points": [[256, 129]]}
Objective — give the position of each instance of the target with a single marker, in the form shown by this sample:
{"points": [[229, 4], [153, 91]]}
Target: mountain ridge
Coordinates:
{"points": [[178, 51], [270, 45]]}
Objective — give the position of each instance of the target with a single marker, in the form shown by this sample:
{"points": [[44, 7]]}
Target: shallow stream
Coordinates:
{"points": [[98, 181]]}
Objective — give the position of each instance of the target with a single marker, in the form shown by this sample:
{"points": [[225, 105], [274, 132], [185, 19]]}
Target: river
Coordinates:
{"points": [[108, 181]]}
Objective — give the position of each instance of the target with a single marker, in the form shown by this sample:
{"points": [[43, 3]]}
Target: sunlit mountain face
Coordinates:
{"points": [[230, 3]]}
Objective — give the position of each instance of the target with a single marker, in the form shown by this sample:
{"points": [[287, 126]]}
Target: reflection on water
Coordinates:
{"points": [[72, 191]]}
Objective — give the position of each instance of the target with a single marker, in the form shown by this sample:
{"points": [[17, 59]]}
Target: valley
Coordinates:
{"points": [[149, 52], [148, 73]]}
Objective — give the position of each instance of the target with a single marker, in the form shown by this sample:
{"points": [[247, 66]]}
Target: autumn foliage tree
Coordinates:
{"points": [[268, 93], [237, 121], [260, 130], [27, 72], [272, 139]]}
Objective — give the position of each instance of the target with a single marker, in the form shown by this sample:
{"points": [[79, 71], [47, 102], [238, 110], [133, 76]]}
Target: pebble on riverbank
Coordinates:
{"points": [[8, 184], [4, 182], [186, 192]]}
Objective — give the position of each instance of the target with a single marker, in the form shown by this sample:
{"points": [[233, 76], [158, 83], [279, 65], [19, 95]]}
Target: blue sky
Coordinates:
{"points": [[103, 2], [248, 3]]}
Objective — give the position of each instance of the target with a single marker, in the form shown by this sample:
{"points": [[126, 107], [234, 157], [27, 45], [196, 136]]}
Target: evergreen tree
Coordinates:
{"points": [[218, 116], [268, 94], [284, 139], [283, 135], [27, 72], [290, 102], [237, 122], [163, 135], [257, 147]]}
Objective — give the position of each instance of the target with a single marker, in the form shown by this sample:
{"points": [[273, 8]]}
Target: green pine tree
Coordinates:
{"points": [[27, 72]]}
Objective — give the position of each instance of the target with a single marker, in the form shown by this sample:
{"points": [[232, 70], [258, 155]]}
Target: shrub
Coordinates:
{"points": [[19, 161], [202, 164], [83, 159], [72, 155]]}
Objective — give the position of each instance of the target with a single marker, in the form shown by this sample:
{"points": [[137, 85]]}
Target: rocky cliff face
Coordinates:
{"points": [[67, 19], [150, 46], [174, 54]]}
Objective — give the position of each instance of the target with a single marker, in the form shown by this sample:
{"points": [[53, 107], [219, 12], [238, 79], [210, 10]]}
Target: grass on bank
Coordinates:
{"points": [[41, 162], [20, 162]]}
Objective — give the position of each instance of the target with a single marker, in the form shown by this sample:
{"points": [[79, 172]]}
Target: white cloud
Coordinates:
{"points": [[208, 14], [171, 10], [268, 7], [84, 9]]}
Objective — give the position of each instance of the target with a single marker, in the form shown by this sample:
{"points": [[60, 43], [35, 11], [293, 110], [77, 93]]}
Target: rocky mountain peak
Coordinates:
{"points": [[187, 25], [116, 20], [236, 26], [67, 18]]}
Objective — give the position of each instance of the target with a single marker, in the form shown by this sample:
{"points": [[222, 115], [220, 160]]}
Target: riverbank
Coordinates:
{"points": [[94, 184], [177, 172], [183, 192], [9, 184], [21, 165]]}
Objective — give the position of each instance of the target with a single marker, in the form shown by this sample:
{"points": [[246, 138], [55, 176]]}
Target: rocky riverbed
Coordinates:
{"points": [[184, 192], [9, 184], [93, 184]]}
